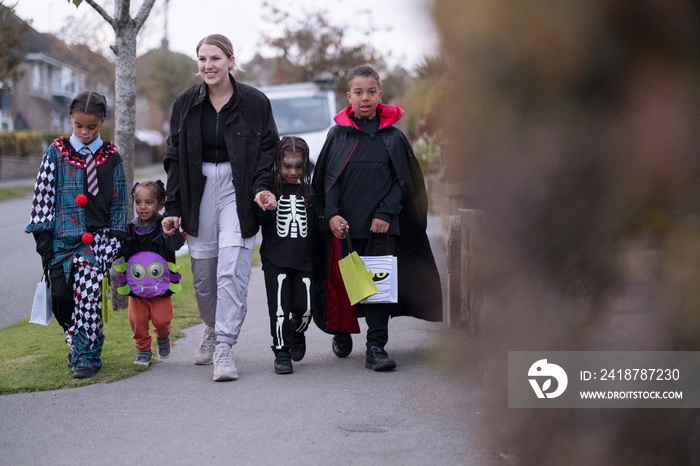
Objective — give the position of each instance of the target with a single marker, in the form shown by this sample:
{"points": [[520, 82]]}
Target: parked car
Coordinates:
{"points": [[305, 110]]}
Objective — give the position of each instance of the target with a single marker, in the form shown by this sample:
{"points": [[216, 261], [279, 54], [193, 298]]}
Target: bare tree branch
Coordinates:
{"points": [[96, 6], [122, 11], [143, 13]]}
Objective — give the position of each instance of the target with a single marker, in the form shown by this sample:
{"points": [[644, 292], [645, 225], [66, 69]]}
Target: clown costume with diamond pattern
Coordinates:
{"points": [[81, 234]]}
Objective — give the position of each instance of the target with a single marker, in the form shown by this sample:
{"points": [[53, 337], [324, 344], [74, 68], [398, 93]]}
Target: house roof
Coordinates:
{"points": [[79, 55]]}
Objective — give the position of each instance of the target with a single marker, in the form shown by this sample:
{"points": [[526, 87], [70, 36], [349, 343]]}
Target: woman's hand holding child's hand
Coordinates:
{"points": [[170, 225], [266, 200]]}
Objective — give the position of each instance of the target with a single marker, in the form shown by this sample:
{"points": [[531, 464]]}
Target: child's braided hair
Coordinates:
{"points": [[294, 145], [89, 103], [157, 187]]}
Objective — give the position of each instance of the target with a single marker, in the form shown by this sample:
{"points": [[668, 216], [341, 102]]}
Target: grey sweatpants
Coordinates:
{"points": [[221, 257], [221, 289]]}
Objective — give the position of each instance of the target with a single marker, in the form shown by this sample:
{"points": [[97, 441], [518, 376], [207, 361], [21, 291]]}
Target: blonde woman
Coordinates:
{"points": [[218, 158]]}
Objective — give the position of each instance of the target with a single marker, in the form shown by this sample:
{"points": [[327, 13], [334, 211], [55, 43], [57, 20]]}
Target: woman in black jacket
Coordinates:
{"points": [[218, 158]]}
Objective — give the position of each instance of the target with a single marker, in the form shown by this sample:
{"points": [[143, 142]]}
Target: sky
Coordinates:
{"points": [[402, 30]]}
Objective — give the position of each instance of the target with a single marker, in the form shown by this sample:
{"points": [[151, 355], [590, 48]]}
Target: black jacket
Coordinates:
{"points": [[251, 137], [420, 292]]}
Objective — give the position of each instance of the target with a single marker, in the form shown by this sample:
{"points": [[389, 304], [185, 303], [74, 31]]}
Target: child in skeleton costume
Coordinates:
{"points": [[286, 252], [150, 272], [78, 220]]}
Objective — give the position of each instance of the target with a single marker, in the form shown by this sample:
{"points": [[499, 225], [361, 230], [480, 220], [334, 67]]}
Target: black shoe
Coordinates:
{"points": [[283, 363], [164, 348], [83, 373], [378, 360], [342, 345], [298, 347]]}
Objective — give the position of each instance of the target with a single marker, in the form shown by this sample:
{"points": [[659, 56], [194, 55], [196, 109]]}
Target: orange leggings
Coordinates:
{"points": [[141, 311]]}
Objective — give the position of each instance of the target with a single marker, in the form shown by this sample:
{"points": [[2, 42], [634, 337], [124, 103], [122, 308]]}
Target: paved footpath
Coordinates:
{"points": [[330, 411]]}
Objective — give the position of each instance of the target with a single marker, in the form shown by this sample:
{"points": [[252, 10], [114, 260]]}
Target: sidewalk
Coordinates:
{"points": [[329, 411]]}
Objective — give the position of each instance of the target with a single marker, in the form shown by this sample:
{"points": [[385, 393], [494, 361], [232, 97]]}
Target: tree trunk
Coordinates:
{"points": [[125, 127], [125, 103], [125, 30]]}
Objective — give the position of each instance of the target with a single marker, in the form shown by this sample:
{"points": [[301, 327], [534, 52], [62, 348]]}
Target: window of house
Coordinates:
{"points": [[68, 81], [45, 79], [56, 121], [36, 77], [56, 81], [6, 121]]}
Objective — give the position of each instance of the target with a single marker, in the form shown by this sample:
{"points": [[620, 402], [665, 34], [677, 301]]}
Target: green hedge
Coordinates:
{"points": [[25, 143]]}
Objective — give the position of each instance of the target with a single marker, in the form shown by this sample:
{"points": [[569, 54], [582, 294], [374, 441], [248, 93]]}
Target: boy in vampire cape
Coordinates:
{"points": [[420, 292]]}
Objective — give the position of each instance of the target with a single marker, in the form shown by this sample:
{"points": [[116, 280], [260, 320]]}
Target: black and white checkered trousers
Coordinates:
{"points": [[87, 296]]}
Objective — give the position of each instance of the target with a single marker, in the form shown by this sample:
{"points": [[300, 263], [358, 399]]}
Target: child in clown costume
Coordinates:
{"points": [[78, 220]]}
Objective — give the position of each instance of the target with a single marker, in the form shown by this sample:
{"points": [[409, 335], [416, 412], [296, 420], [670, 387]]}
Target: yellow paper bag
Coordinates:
{"points": [[357, 279], [106, 299]]}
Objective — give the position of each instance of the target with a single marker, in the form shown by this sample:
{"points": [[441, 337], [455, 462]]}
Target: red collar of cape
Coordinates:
{"points": [[74, 158], [388, 115]]}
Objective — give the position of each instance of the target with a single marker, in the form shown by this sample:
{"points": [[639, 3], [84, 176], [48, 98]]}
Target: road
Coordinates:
{"points": [[21, 265]]}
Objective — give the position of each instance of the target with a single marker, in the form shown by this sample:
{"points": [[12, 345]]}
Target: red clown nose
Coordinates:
{"points": [[81, 200], [87, 238]]}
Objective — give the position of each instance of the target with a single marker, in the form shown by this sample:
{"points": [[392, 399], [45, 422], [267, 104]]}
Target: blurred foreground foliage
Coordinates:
{"points": [[573, 125]]}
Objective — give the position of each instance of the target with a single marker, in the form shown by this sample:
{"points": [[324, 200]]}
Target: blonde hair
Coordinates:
{"points": [[222, 42]]}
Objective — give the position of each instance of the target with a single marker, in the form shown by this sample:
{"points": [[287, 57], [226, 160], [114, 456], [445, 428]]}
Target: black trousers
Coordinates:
{"points": [[376, 315], [62, 303], [289, 304]]}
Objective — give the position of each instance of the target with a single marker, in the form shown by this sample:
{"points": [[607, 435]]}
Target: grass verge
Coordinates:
{"points": [[12, 192], [33, 357]]}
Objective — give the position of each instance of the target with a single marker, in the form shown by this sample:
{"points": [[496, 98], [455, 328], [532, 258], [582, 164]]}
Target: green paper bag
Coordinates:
{"points": [[357, 279], [106, 299]]}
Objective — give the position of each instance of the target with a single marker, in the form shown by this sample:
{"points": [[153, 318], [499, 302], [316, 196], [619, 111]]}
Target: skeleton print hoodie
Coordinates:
{"points": [[287, 231]]}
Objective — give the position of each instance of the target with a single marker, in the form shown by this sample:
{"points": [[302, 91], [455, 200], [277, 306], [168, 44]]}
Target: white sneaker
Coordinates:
{"points": [[224, 368], [205, 352]]}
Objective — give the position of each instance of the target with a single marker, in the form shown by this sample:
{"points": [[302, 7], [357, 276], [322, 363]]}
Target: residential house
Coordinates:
{"points": [[52, 73]]}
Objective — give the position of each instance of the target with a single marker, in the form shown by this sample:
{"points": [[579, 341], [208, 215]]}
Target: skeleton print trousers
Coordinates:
{"points": [[289, 304]]}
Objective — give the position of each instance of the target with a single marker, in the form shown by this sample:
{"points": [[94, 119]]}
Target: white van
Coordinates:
{"points": [[305, 110]]}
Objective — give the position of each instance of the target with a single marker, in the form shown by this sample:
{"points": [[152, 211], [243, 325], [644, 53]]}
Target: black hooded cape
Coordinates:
{"points": [[420, 292]]}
